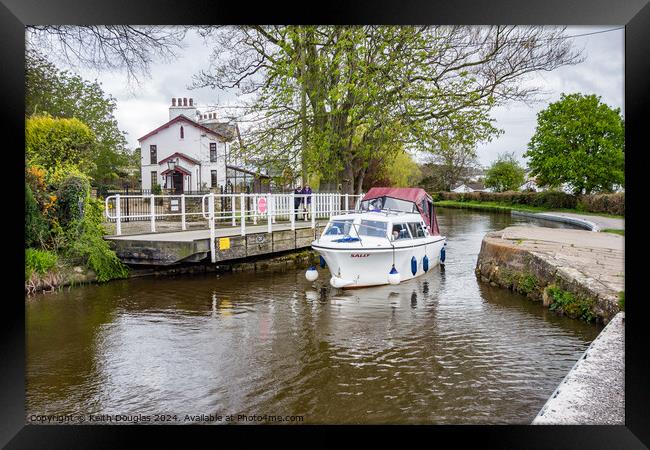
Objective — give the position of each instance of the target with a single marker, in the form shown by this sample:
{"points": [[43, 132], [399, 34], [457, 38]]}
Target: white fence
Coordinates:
{"points": [[227, 209]]}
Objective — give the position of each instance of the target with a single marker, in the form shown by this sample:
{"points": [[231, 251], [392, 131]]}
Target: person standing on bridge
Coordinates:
{"points": [[307, 192], [297, 201]]}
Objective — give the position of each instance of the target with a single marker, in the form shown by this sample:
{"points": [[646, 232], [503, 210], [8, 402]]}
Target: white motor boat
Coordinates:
{"points": [[393, 237]]}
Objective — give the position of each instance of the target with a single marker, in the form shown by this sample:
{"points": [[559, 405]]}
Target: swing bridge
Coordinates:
{"points": [[162, 230]]}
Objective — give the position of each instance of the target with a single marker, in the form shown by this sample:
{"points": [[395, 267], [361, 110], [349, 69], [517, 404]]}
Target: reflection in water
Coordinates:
{"points": [[441, 348]]}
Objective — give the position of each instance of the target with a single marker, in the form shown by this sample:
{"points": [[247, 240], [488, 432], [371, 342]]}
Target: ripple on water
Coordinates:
{"points": [[442, 348]]}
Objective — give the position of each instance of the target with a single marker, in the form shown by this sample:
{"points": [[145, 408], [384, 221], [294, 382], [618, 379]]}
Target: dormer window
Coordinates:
{"points": [[182, 132]]}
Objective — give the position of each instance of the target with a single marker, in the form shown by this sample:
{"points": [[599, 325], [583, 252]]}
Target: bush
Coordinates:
{"points": [[605, 203], [71, 196], [38, 261], [91, 246], [548, 199], [36, 229]]}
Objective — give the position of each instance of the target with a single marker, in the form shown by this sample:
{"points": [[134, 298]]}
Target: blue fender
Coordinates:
{"points": [[425, 263], [414, 265], [322, 261], [442, 255]]}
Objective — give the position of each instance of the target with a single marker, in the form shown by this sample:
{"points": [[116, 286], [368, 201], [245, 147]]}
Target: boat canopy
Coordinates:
{"points": [[417, 196]]}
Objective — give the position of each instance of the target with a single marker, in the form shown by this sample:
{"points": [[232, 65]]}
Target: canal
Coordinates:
{"points": [[440, 349]]}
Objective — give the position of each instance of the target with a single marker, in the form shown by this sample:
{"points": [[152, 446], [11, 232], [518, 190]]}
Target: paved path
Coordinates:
{"points": [[593, 223], [593, 392], [595, 259]]}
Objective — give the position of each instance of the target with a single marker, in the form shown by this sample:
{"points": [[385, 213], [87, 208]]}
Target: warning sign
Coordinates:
{"points": [[261, 205], [224, 243]]}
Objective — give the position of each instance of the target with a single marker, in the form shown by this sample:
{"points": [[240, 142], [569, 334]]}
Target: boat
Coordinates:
{"points": [[391, 237]]}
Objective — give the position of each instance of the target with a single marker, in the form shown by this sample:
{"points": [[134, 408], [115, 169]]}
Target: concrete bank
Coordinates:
{"points": [[593, 392], [573, 272], [588, 222]]}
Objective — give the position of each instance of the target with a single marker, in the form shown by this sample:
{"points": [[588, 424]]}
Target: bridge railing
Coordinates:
{"points": [[227, 209]]}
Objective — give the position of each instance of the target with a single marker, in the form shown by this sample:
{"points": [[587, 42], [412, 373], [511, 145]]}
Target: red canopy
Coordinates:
{"points": [[419, 196]]}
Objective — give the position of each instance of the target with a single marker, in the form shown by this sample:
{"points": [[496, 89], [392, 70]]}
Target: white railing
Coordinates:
{"points": [[228, 209]]}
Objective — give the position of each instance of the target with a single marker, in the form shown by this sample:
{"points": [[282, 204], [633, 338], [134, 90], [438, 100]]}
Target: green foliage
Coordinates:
{"points": [[36, 229], [579, 141], [62, 94], [156, 189], [505, 174], [39, 261], [621, 300], [71, 195], [90, 245], [51, 142], [570, 304], [544, 200]]}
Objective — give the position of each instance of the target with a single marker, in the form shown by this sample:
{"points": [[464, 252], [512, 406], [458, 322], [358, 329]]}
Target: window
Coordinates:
{"points": [[373, 228], [153, 154], [390, 203], [154, 178], [400, 231], [338, 227], [213, 178], [416, 230], [213, 152], [182, 132]]}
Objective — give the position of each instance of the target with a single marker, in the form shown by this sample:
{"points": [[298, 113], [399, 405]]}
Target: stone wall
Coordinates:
{"points": [[581, 279]]}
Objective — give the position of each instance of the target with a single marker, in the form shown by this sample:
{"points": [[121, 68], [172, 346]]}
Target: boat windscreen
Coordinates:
{"points": [[388, 203], [373, 228], [338, 227]]}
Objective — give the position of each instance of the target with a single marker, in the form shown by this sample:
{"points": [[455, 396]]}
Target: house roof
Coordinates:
{"points": [[176, 169], [225, 129], [180, 155], [182, 118]]}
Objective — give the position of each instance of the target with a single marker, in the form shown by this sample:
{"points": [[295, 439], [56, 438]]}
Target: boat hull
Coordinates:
{"points": [[363, 267]]}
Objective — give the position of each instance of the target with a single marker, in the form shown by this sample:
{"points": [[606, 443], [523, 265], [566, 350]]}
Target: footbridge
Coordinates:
{"points": [[163, 230]]}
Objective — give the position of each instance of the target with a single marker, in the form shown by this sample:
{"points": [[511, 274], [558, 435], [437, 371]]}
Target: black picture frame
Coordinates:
{"points": [[634, 14]]}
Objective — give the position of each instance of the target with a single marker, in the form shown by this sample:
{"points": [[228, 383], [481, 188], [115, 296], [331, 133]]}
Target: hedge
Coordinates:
{"points": [[597, 203]]}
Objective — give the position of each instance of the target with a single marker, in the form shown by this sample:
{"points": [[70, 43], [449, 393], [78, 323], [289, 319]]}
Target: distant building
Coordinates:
{"points": [[192, 152], [471, 187]]}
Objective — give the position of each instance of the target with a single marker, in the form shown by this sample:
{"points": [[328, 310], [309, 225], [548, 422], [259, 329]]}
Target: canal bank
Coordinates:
{"points": [[593, 392], [573, 272]]}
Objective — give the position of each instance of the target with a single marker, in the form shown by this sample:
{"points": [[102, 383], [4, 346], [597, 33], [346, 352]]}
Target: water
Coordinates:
{"points": [[443, 348]]}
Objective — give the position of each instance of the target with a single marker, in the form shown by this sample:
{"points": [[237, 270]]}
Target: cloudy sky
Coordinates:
{"points": [[144, 107]]}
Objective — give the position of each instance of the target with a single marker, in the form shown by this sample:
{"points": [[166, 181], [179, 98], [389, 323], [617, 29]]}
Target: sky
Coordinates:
{"points": [[142, 108]]}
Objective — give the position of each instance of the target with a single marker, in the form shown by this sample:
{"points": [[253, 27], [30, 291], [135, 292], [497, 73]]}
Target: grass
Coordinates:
{"points": [[615, 231], [507, 207]]}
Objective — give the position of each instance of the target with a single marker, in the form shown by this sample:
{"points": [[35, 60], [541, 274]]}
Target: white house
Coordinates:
{"points": [[191, 152]]}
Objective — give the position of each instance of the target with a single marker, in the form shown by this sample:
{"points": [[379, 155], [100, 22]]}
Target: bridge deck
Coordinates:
{"points": [[193, 235], [173, 247]]}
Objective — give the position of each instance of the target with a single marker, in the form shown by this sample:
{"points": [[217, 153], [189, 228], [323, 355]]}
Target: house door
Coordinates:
{"points": [[177, 181]]}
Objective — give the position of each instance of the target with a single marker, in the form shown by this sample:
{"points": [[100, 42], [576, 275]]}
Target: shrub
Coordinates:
{"points": [[36, 229], [71, 196], [90, 245], [605, 203], [38, 261]]}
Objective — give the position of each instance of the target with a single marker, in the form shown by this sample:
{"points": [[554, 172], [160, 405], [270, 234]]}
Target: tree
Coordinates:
{"points": [[65, 95], [107, 47], [370, 90], [579, 141], [449, 163], [399, 171], [52, 143], [505, 174]]}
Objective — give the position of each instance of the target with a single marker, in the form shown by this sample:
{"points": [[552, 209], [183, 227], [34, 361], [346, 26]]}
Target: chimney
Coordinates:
{"points": [[180, 106], [184, 101], [191, 102], [173, 102]]}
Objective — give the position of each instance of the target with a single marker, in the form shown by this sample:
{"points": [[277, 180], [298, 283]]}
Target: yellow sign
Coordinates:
{"points": [[224, 243]]}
